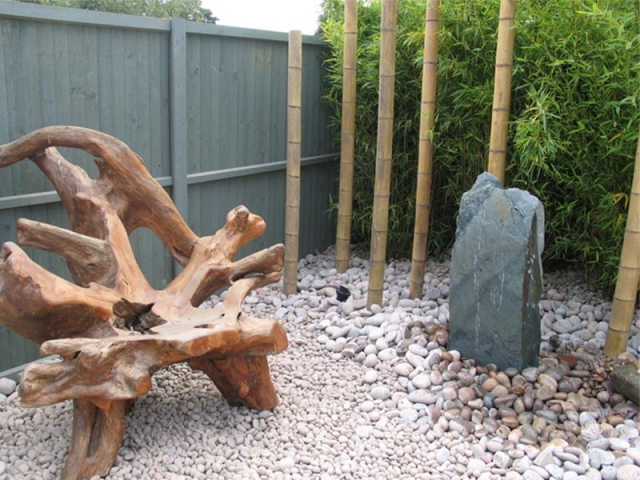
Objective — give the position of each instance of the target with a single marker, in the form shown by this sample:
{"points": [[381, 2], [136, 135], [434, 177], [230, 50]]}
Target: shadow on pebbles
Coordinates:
{"points": [[374, 394]]}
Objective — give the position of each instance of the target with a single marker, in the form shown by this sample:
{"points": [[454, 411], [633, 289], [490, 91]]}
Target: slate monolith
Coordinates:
{"points": [[496, 276]]}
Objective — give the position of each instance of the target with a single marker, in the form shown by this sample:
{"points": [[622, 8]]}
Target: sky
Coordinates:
{"points": [[275, 15]]}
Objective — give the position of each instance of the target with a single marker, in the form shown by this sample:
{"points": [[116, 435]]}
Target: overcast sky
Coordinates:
{"points": [[276, 15]]}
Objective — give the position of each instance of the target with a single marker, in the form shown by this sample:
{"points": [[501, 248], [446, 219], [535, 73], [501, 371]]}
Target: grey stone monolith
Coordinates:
{"points": [[496, 276]]}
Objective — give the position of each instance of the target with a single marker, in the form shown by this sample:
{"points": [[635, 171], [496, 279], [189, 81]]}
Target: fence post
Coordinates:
{"points": [[178, 117]]}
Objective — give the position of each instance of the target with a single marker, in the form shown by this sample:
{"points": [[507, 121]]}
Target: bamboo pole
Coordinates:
{"points": [[425, 149], [384, 149], [292, 214], [502, 91], [347, 139], [624, 298]]}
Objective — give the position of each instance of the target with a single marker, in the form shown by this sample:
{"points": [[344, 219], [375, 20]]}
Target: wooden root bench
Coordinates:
{"points": [[112, 330]]}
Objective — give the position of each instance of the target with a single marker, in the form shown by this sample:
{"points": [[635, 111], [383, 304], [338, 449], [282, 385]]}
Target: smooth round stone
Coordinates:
{"points": [[494, 446], [528, 399], [500, 390], [7, 386], [371, 360], [367, 406], [548, 415], [467, 380], [489, 384], [608, 473], [422, 380], [403, 369], [466, 394], [387, 354], [531, 374], [380, 393], [370, 376], [590, 431], [518, 381], [433, 358], [382, 344], [586, 417], [413, 359], [545, 393], [511, 422], [569, 385], [489, 399], [618, 444], [436, 377], [510, 372], [442, 455], [422, 396], [554, 372], [347, 308], [548, 381], [418, 350], [455, 366], [375, 334], [505, 400], [529, 434], [503, 379], [449, 393], [628, 472]]}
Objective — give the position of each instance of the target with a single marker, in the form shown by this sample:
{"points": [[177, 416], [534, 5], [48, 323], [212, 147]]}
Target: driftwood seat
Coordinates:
{"points": [[110, 327]]}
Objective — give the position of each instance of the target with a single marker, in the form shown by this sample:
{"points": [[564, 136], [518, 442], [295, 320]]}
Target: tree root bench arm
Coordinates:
{"points": [[112, 330]]}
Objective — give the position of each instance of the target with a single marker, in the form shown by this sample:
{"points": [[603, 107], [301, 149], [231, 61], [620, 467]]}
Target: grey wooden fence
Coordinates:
{"points": [[203, 105]]}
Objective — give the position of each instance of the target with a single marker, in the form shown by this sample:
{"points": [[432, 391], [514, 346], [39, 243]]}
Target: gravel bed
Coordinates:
{"points": [[373, 394]]}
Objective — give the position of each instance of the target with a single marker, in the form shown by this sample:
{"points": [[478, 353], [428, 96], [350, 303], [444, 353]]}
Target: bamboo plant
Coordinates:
{"points": [[347, 138], [380, 221], [502, 90], [292, 213], [624, 297], [425, 149]]}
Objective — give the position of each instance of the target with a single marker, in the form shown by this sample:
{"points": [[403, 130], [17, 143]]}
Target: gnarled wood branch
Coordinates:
{"points": [[112, 330]]}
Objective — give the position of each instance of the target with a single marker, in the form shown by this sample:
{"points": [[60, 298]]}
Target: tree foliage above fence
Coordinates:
{"points": [[574, 117], [191, 10]]}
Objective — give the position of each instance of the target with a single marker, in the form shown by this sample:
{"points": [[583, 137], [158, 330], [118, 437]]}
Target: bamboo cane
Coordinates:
{"points": [[347, 139], [425, 149], [292, 214], [502, 91], [624, 298], [384, 149]]}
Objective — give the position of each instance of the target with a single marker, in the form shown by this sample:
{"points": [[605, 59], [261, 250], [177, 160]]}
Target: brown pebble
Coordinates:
{"points": [[510, 422], [492, 367], [448, 356], [489, 384], [503, 379], [505, 400], [614, 420], [519, 391], [506, 412], [569, 360]]}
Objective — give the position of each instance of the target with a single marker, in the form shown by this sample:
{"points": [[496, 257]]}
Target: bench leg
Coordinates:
{"points": [[241, 380], [96, 438]]}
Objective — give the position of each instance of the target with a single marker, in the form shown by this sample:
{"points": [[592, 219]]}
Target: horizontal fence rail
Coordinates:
{"points": [[203, 105]]}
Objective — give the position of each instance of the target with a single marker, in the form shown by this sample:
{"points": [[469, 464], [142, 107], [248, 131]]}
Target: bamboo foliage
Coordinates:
{"points": [[502, 90], [292, 213], [425, 149], [347, 139], [624, 298], [380, 221]]}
